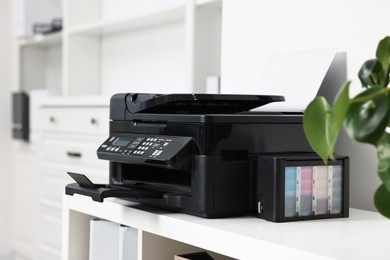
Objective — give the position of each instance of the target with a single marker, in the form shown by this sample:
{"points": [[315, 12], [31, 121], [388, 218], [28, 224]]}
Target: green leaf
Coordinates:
{"points": [[316, 120], [371, 73], [340, 108], [383, 153], [322, 124], [382, 201], [367, 116], [384, 171], [383, 55]]}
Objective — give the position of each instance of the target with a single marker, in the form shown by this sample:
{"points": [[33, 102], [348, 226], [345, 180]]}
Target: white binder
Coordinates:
{"points": [[109, 240]]}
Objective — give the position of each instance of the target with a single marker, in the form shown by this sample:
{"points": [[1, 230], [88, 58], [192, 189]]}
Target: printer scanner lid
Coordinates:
{"points": [[133, 103]]}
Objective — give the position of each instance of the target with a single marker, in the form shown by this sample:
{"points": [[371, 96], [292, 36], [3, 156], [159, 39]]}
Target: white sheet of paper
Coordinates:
{"points": [[295, 75]]}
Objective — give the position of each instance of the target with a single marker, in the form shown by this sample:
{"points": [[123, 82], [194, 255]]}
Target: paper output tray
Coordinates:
{"points": [[98, 192]]}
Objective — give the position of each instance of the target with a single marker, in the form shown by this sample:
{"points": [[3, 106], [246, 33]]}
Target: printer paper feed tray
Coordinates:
{"points": [[98, 192]]}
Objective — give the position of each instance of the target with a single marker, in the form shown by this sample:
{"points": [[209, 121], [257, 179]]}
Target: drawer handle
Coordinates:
{"points": [[93, 121], [74, 154], [52, 119]]}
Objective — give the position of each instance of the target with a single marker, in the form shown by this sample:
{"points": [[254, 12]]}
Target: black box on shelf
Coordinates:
{"points": [[20, 116]]}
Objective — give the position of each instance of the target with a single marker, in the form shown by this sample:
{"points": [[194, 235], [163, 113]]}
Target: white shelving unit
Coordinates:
{"points": [[364, 235], [105, 47], [131, 22], [41, 40], [140, 46], [125, 46], [40, 63]]}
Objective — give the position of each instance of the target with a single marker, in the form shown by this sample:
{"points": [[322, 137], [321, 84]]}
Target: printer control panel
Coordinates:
{"points": [[130, 148]]}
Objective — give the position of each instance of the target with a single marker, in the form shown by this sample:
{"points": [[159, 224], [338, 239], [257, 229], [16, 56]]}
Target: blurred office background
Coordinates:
{"points": [[176, 46]]}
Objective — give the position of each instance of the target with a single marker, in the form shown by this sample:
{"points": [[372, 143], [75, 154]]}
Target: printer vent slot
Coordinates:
{"points": [[235, 155]]}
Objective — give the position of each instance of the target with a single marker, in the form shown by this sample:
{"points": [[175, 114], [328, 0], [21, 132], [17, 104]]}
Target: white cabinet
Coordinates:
{"points": [[70, 137], [73, 119], [160, 234], [364, 235], [25, 199]]}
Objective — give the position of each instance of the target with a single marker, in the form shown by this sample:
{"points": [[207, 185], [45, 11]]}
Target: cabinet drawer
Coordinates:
{"points": [[53, 182], [50, 235], [75, 119], [72, 150]]}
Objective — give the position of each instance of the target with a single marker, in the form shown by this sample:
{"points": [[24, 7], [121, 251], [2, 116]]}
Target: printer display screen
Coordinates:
{"points": [[121, 142]]}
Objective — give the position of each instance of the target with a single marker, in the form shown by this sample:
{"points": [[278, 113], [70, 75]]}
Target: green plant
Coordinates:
{"points": [[364, 118]]}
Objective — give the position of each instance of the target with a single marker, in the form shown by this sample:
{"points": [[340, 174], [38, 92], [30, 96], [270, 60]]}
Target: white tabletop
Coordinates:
{"points": [[364, 235]]}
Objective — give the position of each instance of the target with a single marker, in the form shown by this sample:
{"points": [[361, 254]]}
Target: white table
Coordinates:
{"points": [[364, 235]]}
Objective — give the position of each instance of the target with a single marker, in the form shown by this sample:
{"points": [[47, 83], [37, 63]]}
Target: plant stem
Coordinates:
{"points": [[371, 96]]}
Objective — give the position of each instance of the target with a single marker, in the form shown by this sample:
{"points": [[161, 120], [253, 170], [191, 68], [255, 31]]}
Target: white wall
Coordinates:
{"points": [[6, 84], [253, 30]]}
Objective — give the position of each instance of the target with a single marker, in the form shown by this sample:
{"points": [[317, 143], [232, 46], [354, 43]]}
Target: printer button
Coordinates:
{"points": [[139, 139]]}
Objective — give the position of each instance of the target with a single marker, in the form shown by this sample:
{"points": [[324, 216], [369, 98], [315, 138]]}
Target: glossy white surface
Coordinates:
{"points": [[365, 235]]}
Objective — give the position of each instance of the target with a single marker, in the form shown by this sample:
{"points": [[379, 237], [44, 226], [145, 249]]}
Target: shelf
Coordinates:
{"points": [[147, 18], [362, 236], [211, 3], [39, 40], [150, 17]]}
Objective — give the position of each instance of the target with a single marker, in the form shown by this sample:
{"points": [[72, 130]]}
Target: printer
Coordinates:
{"points": [[209, 155]]}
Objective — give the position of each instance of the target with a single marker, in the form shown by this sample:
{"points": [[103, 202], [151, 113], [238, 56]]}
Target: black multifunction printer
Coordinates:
{"points": [[210, 156]]}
